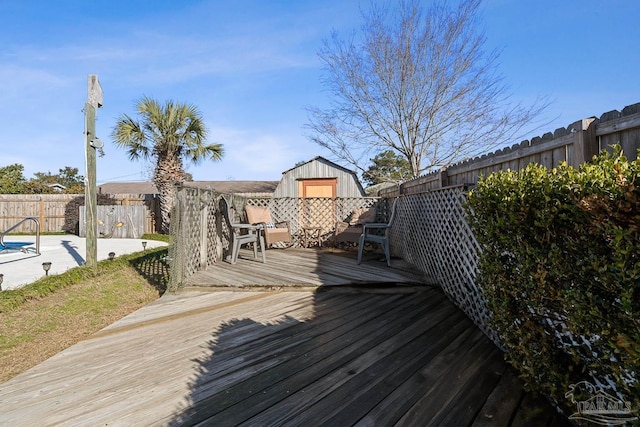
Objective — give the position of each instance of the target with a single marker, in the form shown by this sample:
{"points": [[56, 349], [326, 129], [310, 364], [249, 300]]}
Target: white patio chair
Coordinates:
{"points": [[243, 234], [378, 233]]}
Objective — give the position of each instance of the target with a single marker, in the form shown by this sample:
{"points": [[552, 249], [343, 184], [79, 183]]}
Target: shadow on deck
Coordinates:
{"points": [[365, 356], [382, 348]]}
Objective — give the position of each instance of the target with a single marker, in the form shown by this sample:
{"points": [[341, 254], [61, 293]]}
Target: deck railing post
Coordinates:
{"points": [[203, 196], [177, 246]]}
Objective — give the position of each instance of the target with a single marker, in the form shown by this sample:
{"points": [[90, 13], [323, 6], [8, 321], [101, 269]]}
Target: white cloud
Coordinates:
{"points": [[21, 81], [253, 155]]}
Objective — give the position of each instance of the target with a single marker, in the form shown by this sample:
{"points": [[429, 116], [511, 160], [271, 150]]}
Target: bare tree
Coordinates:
{"points": [[418, 83]]}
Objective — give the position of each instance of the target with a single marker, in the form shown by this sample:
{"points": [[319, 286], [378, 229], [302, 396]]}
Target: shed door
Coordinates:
{"points": [[318, 212], [319, 187]]}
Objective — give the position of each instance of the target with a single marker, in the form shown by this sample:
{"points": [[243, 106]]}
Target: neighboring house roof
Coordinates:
{"points": [[376, 188], [236, 186], [219, 186], [140, 187], [57, 187]]}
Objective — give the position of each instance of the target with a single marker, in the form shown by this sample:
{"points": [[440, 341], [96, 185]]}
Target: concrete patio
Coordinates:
{"points": [[62, 251]]}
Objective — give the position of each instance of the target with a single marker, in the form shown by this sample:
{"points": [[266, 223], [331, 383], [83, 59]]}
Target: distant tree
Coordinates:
{"points": [[167, 134], [36, 186], [70, 178], [387, 167], [12, 179], [419, 83]]}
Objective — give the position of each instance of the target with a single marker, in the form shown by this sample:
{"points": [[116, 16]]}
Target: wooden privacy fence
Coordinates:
{"points": [[575, 144], [117, 221], [201, 235], [50, 209], [61, 213]]}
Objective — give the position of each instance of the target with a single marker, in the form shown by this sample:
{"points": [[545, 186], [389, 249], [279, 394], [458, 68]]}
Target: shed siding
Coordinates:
{"points": [[348, 185]]}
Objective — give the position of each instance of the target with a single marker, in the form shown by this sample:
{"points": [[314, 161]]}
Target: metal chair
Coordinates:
{"points": [[371, 232]]}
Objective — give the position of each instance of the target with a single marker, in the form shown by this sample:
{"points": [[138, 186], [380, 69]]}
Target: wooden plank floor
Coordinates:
{"points": [[304, 268], [338, 356]]}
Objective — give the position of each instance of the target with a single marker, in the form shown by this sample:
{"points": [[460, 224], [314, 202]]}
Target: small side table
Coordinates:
{"points": [[311, 235]]}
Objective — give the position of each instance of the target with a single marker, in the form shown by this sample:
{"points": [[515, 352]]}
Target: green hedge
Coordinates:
{"points": [[560, 270]]}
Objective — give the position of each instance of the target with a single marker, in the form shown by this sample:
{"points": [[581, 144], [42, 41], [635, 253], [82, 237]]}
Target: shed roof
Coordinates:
{"points": [[324, 160]]}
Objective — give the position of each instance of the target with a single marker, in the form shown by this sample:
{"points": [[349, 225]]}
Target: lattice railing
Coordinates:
{"points": [[201, 236], [432, 233], [321, 212]]}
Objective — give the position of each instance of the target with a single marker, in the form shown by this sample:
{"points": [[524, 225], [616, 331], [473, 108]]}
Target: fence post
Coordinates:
{"points": [[444, 177], [585, 143], [41, 216]]}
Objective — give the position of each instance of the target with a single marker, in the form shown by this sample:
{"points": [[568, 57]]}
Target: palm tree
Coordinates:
{"points": [[167, 134]]}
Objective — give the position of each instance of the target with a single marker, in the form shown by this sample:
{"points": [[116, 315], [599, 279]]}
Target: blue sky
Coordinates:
{"points": [[251, 67]]}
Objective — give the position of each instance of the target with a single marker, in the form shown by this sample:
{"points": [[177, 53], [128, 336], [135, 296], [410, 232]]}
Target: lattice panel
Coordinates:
{"points": [[431, 232], [175, 253], [321, 212], [187, 234], [195, 231], [317, 212]]}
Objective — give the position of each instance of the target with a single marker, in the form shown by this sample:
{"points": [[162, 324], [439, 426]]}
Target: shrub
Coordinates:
{"points": [[560, 271]]}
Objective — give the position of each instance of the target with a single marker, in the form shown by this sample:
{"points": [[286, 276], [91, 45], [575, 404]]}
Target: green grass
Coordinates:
{"points": [[159, 237], [148, 262]]}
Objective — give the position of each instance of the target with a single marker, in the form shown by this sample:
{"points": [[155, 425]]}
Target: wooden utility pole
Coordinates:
{"points": [[92, 143]]}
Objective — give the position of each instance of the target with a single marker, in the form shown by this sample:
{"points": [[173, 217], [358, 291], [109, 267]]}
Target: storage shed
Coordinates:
{"points": [[319, 177]]}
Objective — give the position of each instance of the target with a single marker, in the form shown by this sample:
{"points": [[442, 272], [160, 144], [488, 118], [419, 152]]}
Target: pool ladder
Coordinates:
{"points": [[29, 218]]}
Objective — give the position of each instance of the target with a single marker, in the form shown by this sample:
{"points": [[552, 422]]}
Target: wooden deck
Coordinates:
{"points": [[337, 356], [305, 268]]}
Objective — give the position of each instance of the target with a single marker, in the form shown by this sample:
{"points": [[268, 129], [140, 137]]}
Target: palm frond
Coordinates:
{"points": [[172, 130], [128, 134]]}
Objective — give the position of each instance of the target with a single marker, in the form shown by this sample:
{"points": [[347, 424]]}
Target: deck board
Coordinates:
{"points": [[391, 353], [304, 268]]}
